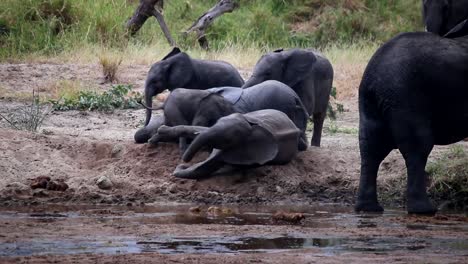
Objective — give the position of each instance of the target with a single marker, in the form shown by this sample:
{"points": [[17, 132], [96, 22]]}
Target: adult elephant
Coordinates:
{"points": [[412, 96], [441, 16], [205, 107], [178, 70], [307, 72], [252, 139]]}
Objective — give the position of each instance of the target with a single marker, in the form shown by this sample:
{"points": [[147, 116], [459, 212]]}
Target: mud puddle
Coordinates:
{"points": [[184, 229]]}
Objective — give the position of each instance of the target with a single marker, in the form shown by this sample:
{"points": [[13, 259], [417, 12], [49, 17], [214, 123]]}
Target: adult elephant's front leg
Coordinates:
{"points": [[200, 170]]}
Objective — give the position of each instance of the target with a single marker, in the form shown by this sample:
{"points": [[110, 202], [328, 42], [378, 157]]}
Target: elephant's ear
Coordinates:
{"points": [[297, 65], [459, 30], [179, 71], [260, 148], [231, 94], [173, 52]]}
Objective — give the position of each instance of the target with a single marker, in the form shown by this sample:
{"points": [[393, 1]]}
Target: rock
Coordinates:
{"points": [[40, 182], [195, 209], [288, 217], [117, 151], [56, 186], [216, 211], [104, 183]]}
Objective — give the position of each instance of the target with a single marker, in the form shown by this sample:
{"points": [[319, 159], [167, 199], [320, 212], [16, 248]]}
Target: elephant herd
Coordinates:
{"points": [[413, 95], [261, 121]]}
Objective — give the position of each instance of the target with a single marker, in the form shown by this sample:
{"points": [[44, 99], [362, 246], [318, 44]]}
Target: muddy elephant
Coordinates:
{"points": [[441, 16], [413, 96], [245, 140], [205, 107], [307, 72], [178, 70]]}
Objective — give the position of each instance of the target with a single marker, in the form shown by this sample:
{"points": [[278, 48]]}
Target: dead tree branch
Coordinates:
{"points": [[145, 10], [205, 20]]}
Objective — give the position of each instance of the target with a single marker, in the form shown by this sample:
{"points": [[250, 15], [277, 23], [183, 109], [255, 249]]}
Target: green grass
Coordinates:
{"points": [[449, 178], [52, 27]]}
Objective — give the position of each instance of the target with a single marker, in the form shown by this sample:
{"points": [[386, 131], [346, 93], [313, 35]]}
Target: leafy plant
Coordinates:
{"points": [[331, 112], [119, 96], [27, 117]]}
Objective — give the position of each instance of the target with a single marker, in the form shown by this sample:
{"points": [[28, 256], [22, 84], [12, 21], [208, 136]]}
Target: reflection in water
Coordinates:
{"points": [[320, 217]]}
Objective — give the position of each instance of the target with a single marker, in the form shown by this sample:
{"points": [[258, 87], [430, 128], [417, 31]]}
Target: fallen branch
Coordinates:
{"points": [[145, 10], [205, 20]]}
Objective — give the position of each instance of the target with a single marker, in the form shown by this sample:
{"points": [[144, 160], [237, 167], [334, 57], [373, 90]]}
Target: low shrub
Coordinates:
{"points": [[118, 97]]}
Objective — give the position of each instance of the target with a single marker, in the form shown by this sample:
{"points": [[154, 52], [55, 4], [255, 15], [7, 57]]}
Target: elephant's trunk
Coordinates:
{"points": [[199, 142], [149, 104], [251, 82]]}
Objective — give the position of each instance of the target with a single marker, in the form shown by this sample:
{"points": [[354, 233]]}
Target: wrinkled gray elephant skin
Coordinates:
{"points": [[178, 70], [413, 96], [245, 140], [205, 107], [307, 72]]}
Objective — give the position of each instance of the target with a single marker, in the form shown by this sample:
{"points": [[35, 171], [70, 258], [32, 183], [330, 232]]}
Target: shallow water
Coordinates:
{"points": [[324, 217]]}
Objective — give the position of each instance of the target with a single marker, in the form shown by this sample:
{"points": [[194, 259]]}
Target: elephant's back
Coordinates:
{"points": [[217, 73], [278, 96]]}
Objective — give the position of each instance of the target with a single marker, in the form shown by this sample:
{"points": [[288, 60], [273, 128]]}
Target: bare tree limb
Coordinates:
{"points": [[205, 20], [146, 9]]}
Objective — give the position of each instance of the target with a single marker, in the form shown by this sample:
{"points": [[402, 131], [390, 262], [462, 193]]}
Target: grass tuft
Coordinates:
{"points": [[28, 117], [110, 65]]}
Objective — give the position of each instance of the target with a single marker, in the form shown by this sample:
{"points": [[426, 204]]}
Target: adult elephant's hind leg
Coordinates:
{"points": [[414, 139], [375, 143]]}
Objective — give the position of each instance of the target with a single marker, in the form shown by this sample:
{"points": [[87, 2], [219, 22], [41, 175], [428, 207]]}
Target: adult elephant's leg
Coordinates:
{"points": [[375, 144], [318, 119], [414, 139], [200, 170]]}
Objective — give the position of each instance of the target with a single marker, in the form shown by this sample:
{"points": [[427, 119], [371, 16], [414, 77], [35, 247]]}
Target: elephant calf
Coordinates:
{"points": [[205, 107], [307, 72], [252, 139]]}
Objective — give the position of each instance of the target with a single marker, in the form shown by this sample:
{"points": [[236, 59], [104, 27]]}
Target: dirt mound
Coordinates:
{"points": [[138, 173]]}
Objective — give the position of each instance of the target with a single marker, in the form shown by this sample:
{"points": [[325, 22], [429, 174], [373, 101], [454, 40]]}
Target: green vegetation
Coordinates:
{"points": [[49, 27], [28, 117], [119, 96], [449, 178]]}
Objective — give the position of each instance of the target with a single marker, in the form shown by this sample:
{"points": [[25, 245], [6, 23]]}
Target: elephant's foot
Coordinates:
{"points": [[368, 206], [421, 206], [182, 171]]}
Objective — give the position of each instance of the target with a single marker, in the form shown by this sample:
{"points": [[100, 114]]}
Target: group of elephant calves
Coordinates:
{"points": [[247, 124], [413, 95]]}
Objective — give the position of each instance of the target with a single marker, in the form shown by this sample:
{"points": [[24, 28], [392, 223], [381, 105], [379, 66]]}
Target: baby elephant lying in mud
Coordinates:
{"points": [[244, 140], [205, 107]]}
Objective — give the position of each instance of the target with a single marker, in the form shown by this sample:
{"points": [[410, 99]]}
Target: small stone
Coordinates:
{"points": [[288, 217], [195, 209], [279, 189], [117, 151], [104, 183]]}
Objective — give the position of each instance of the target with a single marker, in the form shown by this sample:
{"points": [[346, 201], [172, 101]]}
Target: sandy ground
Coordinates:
{"points": [[79, 148]]}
